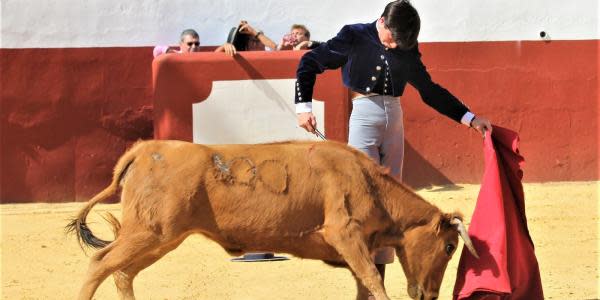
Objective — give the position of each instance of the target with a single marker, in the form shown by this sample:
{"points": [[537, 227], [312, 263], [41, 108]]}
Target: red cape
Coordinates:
{"points": [[507, 268]]}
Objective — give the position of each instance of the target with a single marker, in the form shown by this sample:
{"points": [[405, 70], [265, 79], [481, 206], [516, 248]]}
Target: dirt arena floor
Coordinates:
{"points": [[40, 262]]}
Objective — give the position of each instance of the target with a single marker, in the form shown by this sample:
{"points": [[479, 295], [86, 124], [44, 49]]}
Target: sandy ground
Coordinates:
{"points": [[40, 262]]}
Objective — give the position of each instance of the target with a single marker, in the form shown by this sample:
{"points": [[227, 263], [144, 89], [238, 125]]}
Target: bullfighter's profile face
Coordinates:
{"points": [[385, 34]]}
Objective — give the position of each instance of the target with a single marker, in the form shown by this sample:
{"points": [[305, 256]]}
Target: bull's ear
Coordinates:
{"points": [[443, 222]]}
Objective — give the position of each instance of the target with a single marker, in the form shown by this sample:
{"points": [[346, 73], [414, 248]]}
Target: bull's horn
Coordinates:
{"points": [[464, 235]]}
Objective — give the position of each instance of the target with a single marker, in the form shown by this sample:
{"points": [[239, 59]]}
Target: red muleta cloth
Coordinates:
{"points": [[507, 268]]}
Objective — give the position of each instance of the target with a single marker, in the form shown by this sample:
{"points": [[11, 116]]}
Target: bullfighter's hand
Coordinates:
{"points": [[482, 125], [307, 121]]}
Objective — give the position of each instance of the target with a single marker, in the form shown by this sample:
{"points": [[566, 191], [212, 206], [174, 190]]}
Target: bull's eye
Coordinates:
{"points": [[449, 249]]}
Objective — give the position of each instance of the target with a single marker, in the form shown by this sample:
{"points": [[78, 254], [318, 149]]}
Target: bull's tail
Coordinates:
{"points": [[78, 224]]}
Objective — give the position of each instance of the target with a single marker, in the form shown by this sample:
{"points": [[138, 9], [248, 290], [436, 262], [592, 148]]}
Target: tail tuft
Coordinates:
{"points": [[84, 235], [78, 225]]}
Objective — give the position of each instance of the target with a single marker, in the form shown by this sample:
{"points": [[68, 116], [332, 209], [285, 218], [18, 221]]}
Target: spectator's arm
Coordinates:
{"points": [[228, 48], [265, 40], [302, 45], [159, 50]]}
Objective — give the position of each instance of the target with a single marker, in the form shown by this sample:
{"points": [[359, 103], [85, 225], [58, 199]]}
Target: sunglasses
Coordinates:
{"points": [[193, 43]]}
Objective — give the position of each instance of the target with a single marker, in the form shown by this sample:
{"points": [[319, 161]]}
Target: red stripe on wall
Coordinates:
{"points": [[67, 114]]}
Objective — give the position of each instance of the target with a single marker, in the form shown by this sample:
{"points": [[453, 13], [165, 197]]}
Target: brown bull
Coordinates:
{"points": [[319, 200]]}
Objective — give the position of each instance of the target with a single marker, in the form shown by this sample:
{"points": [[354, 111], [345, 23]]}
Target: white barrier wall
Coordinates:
{"points": [[251, 111], [110, 23]]}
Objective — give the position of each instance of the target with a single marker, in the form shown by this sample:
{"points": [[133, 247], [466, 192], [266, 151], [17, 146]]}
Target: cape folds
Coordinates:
{"points": [[507, 268]]}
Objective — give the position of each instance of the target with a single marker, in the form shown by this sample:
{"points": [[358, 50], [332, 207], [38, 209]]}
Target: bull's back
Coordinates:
{"points": [[265, 187], [278, 185], [235, 193], [163, 176], [290, 173]]}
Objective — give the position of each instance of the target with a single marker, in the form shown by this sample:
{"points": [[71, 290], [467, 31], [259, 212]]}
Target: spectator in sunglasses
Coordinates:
{"points": [[189, 42]]}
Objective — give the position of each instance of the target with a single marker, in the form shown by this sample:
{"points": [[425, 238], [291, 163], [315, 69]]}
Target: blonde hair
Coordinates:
{"points": [[300, 26]]}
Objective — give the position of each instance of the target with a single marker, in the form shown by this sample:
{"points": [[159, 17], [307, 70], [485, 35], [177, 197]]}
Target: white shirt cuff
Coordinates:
{"points": [[467, 118], [303, 107]]}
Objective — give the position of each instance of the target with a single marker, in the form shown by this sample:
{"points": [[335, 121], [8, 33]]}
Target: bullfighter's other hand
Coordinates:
{"points": [[482, 125], [307, 121]]}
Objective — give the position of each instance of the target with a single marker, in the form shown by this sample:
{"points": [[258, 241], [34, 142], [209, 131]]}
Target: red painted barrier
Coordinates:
{"points": [[66, 115], [546, 91], [519, 85], [181, 80]]}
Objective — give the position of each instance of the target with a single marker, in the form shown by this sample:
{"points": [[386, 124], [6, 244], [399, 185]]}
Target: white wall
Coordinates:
{"points": [[109, 23], [263, 113]]}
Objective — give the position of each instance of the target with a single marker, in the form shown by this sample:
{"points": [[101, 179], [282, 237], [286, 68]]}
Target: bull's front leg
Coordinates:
{"points": [[349, 243]]}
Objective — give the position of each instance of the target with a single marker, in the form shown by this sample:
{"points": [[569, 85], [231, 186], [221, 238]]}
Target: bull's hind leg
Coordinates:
{"points": [[124, 278], [116, 256]]}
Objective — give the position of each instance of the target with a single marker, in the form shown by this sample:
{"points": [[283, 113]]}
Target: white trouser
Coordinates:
{"points": [[376, 128]]}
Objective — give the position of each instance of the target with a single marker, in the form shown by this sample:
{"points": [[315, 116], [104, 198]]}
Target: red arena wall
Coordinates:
{"points": [[67, 114]]}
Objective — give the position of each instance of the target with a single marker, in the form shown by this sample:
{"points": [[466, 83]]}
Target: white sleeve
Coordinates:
{"points": [[303, 107], [467, 118]]}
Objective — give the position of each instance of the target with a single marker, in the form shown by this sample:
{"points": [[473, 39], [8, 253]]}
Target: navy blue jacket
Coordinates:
{"points": [[366, 64]]}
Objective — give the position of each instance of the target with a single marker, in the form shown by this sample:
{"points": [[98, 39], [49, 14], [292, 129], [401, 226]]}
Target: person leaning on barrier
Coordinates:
{"points": [[297, 39], [189, 41], [377, 60], [245, 38]]}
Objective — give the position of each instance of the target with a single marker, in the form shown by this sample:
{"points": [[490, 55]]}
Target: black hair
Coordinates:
{"points": [[239, 40], [402, 19]]}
